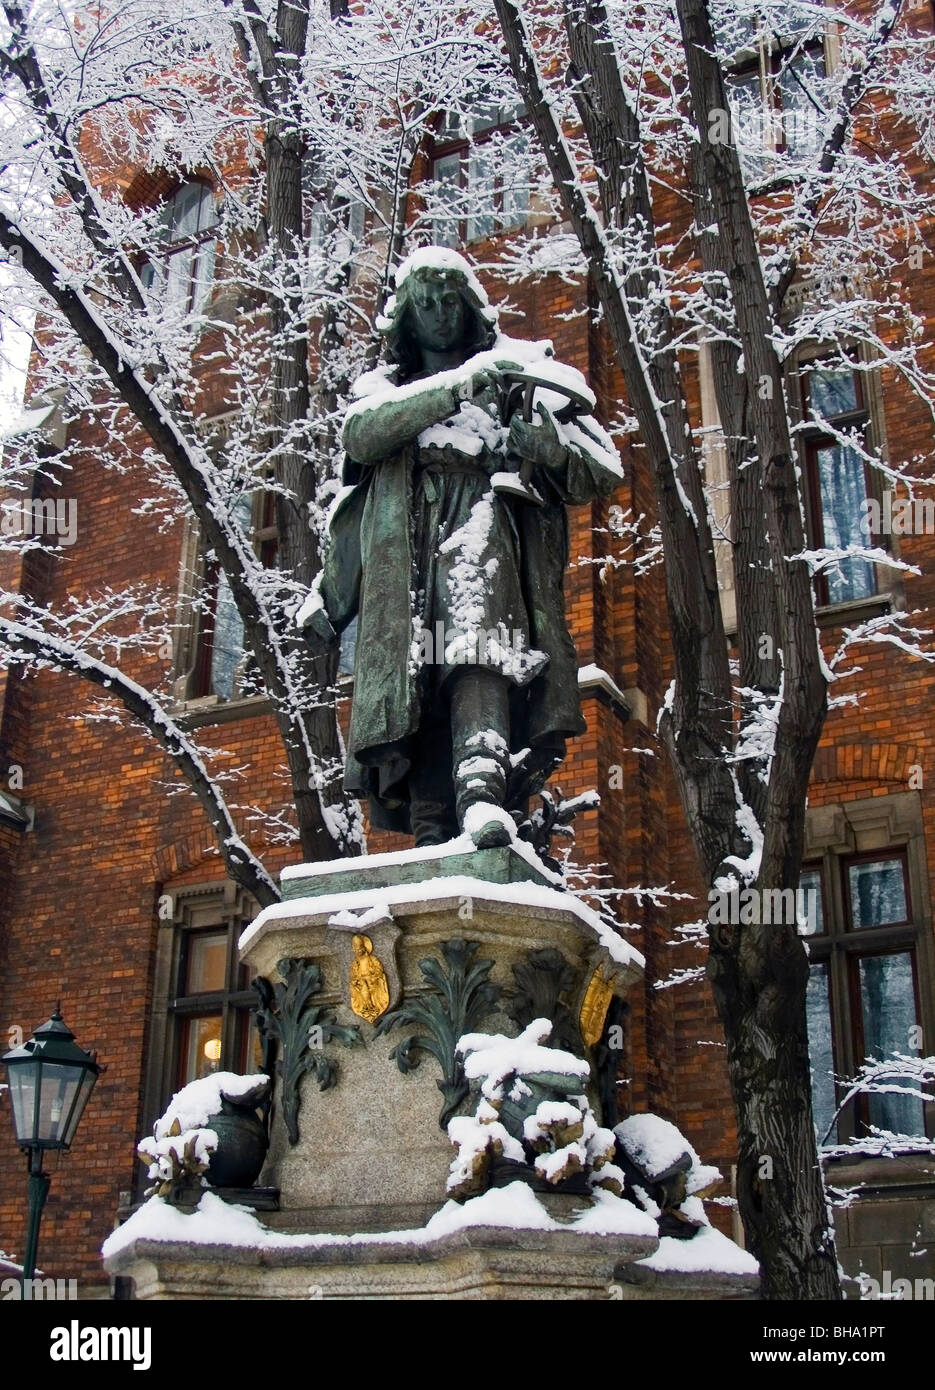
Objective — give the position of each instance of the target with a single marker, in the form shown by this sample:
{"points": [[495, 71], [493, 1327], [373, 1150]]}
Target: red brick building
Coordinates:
{"points": [[92, 850]]}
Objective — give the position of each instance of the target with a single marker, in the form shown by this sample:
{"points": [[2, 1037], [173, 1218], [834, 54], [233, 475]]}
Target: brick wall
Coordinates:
{"points": [[78, 894]]}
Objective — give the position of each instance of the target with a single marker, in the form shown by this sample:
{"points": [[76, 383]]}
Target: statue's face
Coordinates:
{"points": [[437, 314]]}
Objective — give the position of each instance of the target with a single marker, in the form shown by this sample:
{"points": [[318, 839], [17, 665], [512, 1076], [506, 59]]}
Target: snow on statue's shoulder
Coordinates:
{"points": [[374, 389], [370, 383]]}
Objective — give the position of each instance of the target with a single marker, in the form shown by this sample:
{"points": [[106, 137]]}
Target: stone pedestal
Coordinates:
{"points": [[407, 953], [371, 1154], [481, 1263]]}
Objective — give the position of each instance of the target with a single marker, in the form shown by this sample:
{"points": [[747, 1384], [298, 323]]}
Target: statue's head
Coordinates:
{"points": [[439, 304]]}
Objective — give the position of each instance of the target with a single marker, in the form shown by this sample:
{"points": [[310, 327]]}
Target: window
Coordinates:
{"points": [[182, 272], [869, 954], [203, 1004], [222, 666], [211, 662], [835, 420], [775, 83], [481, 173]]}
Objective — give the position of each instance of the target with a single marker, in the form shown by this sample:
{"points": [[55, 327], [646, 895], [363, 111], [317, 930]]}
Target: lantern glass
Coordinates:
{"points": [[23, 1099], [82, 1092], [60, 1086]]}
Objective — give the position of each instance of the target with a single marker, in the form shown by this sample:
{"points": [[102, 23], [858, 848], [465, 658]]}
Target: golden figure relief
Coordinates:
{"points": [[594, 1009], [370, 991]]}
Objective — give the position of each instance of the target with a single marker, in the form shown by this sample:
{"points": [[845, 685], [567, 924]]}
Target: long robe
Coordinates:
{"points": [[383, 565]]}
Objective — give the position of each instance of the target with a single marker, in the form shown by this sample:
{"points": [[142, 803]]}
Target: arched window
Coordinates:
{"points": [[182, 270]]}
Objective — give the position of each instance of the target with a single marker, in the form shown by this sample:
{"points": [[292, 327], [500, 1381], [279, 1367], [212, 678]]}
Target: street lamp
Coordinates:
{"points": [[50, 1080]]}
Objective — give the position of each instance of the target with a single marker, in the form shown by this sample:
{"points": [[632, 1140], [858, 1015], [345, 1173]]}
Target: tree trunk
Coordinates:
{"points": [[758, 973], [758, 976]]}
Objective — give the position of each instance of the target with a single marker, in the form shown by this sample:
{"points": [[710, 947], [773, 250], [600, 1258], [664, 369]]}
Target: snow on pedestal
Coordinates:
{"points": [[399, 957], [372, 1154]]}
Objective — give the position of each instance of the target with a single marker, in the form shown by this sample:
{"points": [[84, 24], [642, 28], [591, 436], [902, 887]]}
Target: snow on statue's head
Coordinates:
{"points": [[435, 263]]}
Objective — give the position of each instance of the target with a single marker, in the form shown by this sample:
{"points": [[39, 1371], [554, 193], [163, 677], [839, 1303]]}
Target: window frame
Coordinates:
{"points": [[767, 57], [464, 144], [158, 264], [814, 438], [838, 836], [201, 908], [196, 604], [264, 536], [809, 438]]}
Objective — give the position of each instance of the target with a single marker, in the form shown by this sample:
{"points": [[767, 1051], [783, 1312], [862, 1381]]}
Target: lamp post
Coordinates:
{"points": [[50, 1079]]}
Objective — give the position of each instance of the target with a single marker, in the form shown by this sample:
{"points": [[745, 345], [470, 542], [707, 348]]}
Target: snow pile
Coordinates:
{"points": [[657, 1147], [494, 1059], [178, 1159], [481, 813], [531, 1112], [182, 1144], [479, 1138], [708, 1252], [193, 1106], [461, 844], [471, 431], [446, 888], [513, 1207], [469, 577], [664, 1175], [311, 605]]}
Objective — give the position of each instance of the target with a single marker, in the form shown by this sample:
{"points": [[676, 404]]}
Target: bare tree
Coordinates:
{"points": [[624, 101], [307, 120]]}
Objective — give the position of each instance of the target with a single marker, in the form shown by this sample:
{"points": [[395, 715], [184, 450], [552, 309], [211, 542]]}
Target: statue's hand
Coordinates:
{"points": [[474, 385], [537, 440]]}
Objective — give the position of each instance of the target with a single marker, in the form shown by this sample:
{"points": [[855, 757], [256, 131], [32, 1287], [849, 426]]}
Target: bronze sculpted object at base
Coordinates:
{"points": [[449, 544]]}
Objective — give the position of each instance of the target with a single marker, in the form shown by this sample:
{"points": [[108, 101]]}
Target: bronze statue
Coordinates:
{"points": [[450, 543]]}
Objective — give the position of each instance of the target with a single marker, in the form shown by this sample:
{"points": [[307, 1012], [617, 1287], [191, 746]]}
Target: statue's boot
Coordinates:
{"points": [[480, 728], [432, 801]]}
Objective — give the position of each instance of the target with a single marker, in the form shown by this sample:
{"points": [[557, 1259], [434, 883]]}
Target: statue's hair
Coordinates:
{"points": [[401, 349]]}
